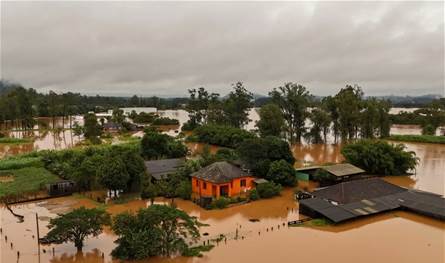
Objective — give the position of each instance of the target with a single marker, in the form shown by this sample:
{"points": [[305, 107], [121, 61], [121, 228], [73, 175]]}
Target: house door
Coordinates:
{"points": [[224, 190]]}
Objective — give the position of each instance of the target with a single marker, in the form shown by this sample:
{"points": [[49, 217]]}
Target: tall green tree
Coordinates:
{"points": [[271, 121], [349, 105], [77, 225], [237, 105], [113, 174], [293, 100], [92, 129], [321, 122]]}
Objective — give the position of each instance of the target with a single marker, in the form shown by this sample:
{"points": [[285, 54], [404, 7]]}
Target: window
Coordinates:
{"points": [[197, 183], [243, 183], [204, 186]]}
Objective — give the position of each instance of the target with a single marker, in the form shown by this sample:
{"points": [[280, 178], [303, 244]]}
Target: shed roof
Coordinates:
{"points": [[260, 181], [220, 172], [343, 169], [159, 169]]}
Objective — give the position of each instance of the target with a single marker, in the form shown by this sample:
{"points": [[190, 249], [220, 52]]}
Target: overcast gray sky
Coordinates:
{"points": [[149, 48]]}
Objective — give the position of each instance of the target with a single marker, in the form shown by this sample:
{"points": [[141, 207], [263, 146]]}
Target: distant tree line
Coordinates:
{"points": [[429, 118], [21, 105]]}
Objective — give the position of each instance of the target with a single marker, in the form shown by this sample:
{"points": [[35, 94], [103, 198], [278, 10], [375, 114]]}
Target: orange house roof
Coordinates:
{"points": [[220, 172]]}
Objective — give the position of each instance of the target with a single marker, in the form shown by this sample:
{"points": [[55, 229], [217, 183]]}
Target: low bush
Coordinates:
{"points": [[165, 121], [268, 190], [253, 195], [221, 203], [221, 135]]}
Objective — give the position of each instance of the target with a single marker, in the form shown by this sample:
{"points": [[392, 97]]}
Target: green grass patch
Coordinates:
{"points": [[8, 140], [20, 162], [26, 180], [319, 222], [418, 138]]}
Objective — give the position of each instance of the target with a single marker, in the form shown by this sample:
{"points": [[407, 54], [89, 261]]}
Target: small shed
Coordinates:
{"points": [[258, 181], [161, 169], [61, 188], [341, 171]]}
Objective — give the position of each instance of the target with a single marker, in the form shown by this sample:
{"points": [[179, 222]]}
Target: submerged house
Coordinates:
{"points": [[359, 198], [61, 188], [161, 169], [221, 179], [339, 172]]}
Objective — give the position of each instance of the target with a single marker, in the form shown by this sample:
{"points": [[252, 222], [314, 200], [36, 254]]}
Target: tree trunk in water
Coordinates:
{"points": [[79, 245]]}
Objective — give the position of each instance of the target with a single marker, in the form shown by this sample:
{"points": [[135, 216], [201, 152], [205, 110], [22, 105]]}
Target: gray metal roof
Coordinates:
{"points": [[370, 196], [159, 169], [220, 172], [343, 169], [356, 190]]}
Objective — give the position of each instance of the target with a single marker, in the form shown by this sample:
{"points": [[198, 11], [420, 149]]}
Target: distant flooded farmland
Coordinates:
{"points": [[388, 238], [56, 134]]}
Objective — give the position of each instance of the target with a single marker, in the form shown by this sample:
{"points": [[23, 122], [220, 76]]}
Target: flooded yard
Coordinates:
{"points": [[391, 237]]}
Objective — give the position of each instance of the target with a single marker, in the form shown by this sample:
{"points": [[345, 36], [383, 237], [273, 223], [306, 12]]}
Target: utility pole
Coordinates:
{"points": [[38, 235]]}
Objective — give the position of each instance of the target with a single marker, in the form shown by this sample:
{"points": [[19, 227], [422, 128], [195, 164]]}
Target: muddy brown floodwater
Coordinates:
{"points": [[390, 237]]}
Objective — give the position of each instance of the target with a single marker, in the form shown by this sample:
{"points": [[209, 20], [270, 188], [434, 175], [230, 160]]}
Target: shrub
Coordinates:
{"points": [[323, 176], [222, 135], [189, 126], [428, 129], [380, 157], [253, 195], [268, 190], [165, 121], [221, 203], [282, 172], [184, 190]]}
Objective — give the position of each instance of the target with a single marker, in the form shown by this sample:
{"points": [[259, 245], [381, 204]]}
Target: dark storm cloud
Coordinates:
{"points": [[125, 48]]}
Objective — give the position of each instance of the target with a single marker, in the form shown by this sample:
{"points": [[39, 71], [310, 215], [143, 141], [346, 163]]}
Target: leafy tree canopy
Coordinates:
{"points": [[77, 225]]}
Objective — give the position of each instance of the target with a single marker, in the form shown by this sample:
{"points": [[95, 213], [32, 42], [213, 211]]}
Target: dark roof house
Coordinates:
{"points": [[220, 172], [160, 169], [365, 197], [112, 126]]}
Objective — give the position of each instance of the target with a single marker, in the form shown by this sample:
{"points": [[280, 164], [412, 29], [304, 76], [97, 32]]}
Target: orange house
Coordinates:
{"points": [[221, 179]]}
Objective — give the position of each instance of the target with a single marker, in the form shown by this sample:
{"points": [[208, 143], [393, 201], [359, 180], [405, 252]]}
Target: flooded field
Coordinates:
{"points": [[391, 237], [62, 137]]}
